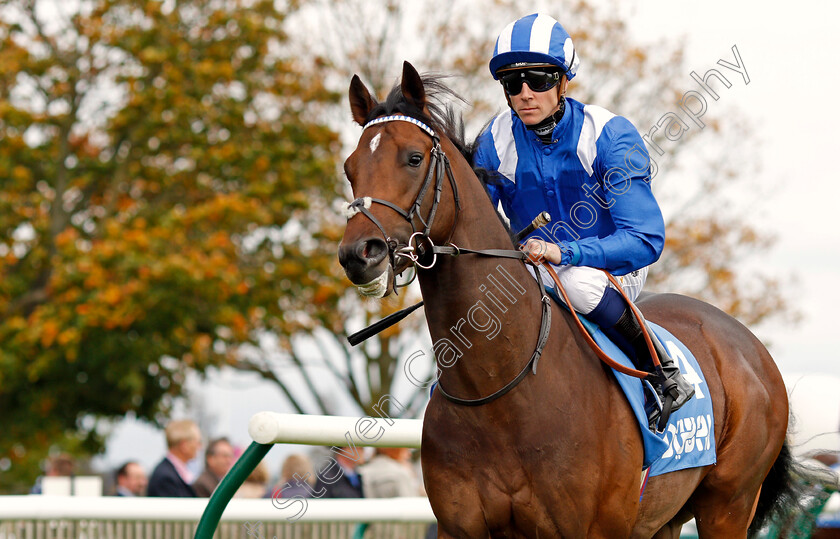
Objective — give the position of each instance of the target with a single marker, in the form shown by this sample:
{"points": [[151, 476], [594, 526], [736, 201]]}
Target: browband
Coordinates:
{"points": [[401, 118]]}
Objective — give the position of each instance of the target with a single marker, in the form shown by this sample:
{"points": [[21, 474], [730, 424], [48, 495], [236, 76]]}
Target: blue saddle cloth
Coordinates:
{"points": [[689, 438]]}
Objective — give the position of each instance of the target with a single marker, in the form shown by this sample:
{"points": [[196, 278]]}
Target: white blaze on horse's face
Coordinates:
{"points": [[374, 143]]}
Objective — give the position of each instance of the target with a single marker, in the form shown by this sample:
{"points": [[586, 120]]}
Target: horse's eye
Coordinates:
{"points": [[415, 159]]}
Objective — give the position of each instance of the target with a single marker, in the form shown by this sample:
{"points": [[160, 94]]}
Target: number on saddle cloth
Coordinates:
{"points": [[688, 440]]}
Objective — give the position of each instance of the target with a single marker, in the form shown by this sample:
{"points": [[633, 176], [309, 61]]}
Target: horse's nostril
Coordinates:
{"points": [[373, 251], [363, 254]]}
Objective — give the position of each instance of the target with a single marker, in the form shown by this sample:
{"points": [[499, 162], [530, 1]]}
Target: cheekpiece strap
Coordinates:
{"points": [[401, 118]]}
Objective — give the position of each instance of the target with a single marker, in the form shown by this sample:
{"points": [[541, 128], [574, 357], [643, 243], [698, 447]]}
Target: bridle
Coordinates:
{"points": [[438, 167]]}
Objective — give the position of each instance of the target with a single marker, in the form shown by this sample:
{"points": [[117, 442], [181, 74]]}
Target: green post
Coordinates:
{"points": [[228, 487]]}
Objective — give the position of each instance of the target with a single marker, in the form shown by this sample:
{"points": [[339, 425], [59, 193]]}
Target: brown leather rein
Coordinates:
{"points": [[588, 338]]}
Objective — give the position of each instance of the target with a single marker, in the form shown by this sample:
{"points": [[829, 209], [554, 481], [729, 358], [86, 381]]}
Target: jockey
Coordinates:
{"points": [[590, 170]]}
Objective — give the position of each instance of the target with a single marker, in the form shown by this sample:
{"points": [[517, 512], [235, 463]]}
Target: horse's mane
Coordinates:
{"points": [[442, 117]]}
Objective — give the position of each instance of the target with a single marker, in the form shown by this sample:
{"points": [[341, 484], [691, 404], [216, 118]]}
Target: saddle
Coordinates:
{"points": [[657, 410], [685, 439]]}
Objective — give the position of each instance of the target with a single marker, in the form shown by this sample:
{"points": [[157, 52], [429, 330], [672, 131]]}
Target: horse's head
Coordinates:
{"points": [[401, 182]]}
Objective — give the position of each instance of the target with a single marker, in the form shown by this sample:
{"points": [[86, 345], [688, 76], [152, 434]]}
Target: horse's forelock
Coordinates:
{"points": [[441, 116]]}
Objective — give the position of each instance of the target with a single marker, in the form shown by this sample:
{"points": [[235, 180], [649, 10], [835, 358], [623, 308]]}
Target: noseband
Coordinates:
{"points": [[438, 166]]}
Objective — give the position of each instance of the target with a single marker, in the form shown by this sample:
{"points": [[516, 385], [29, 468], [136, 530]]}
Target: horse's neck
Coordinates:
{"points": [[483, 313]]}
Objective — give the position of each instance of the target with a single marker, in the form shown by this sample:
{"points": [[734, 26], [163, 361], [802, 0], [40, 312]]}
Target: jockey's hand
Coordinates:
{"points": [[537, 249]]}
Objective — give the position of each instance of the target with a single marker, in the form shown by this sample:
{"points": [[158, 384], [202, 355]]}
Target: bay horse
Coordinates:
{"points": [[560, 454]]}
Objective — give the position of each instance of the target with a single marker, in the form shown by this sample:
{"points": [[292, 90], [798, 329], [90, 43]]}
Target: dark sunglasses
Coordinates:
{"points": [[538, 80]]}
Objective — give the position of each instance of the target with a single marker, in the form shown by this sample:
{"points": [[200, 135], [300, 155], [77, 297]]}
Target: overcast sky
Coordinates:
{"points": [[789, 52]]}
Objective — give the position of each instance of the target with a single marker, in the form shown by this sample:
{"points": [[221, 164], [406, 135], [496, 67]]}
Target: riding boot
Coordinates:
{"points": [[673, 384]]}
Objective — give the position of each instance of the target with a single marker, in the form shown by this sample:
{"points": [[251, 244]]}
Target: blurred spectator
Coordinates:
{"points": [[218, 459], [339, 478], [131, 480], [389, 474], [256, 485], [297, 478], [61, 465], [171, 478]]}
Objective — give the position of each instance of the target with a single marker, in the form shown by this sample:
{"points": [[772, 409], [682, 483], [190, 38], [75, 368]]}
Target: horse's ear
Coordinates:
{"points": [[361, 103], [412, 87]]}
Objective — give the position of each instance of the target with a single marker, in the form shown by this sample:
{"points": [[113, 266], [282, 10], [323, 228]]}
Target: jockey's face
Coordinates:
{"points": [[533, 107]]}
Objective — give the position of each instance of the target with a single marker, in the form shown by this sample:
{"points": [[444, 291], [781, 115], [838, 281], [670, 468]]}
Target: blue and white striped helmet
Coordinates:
{"points": [[537, 38]]}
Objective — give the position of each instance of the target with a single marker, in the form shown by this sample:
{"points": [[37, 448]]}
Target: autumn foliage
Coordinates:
{"points": [[162, 169]]}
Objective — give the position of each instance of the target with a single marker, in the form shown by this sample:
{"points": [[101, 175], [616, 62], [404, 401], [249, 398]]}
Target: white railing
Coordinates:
{"points": [[190, 509], [54, 517], [275, 428]]}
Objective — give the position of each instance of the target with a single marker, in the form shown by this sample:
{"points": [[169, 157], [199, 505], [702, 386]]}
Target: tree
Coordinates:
{"points": [[330, 377], [163, 170], [706, 233]]}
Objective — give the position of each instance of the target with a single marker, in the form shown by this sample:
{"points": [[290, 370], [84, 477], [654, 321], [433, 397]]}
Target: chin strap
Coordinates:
{"points": [[545, 129]]}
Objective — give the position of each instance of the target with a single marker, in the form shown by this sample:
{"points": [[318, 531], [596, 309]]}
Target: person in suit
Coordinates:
{"points": [[218, 459], [339, 478], [131, 479], [62, 465], [171, 477]]}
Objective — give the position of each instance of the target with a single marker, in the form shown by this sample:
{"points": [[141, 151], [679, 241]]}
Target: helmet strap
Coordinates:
{"points": [[545, 129]]}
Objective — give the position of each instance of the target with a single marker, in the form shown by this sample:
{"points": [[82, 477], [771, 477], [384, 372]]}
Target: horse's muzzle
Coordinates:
{"points": [[365, 260]]}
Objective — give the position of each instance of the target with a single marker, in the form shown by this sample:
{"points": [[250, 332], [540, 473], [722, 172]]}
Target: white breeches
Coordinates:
{"points": [[585, 286]]}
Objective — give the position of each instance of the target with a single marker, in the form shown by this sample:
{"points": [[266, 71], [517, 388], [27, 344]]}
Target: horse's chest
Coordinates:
{"points": [[511, 488]]}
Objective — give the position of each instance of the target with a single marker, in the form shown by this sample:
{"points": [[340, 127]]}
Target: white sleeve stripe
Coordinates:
{"points": [[541, 33], [594, 119], [502, 131], [503, 44]]}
